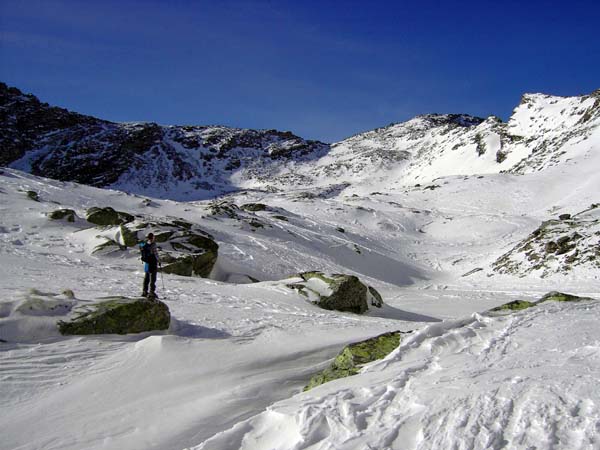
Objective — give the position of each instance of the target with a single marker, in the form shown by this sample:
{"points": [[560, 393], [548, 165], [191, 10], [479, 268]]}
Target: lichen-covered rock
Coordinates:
{"points": [[128, 236], [338, 292], [118, 315], [350, 360], [63, 214], [108, 246], [518, 305], [32, 195], [108, 216], [185, 249], [515, 305], [557, 246], [555, 296], [200, 265]]}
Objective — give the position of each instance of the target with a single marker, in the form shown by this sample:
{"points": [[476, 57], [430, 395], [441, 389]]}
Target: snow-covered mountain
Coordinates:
{"points": [[195, 162], [187, 162]]}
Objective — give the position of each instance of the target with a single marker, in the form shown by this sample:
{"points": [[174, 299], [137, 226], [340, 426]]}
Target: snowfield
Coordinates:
{"points": [[526, 380], [229, 373]]}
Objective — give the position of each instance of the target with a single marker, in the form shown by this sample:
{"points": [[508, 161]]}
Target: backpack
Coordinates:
{"points": [[146, 252]]}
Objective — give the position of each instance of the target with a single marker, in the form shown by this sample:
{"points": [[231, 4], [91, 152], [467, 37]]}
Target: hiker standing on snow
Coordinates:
{"points": [[151, 262]]}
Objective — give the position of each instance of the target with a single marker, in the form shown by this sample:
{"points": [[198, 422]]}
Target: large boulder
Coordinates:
{"points": [[63, 214], [118, 315], [338, 292], [185, 249], [350, 360], [108, 216]]}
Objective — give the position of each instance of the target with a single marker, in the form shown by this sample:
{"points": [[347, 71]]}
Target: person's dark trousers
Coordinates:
{"points": [[150, 279]]}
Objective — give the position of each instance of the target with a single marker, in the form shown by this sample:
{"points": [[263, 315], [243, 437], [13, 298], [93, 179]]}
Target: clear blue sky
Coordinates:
{"points": [[322, 69]]}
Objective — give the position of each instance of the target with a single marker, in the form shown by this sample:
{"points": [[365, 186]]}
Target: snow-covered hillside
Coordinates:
{"points": [[199, 162], [446, 216]]}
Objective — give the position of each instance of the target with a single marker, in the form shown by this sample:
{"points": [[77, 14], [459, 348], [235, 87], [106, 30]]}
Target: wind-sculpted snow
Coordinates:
{"points": [[520, 381]]}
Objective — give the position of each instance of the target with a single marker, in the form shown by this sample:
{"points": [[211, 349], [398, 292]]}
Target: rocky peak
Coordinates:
{"points": [[461, 120], [24, 120]]}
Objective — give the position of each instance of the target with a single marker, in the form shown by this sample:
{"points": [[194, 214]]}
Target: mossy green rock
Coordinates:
{"points": [[555, 296], [130, 237], [63, 214], [514, 306], [184, 248], [108, 246], [349, 361], [348, 293], [562, 297], [108, 216], [197, 264], [119, 315], [33, 196]]}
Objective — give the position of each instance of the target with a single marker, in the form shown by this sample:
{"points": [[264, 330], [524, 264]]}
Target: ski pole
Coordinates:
{"points": [[162, 278]]}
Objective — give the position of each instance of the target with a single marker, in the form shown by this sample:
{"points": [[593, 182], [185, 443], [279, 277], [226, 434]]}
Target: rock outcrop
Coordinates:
{"points": [[184, 248], [107, 216], [118, 315], [350, 360], [557, 246], [553, 296], [67, 215], [336, 291]]}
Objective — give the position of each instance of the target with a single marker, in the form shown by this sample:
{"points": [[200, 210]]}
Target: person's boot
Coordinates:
{"points": [[152, 296], [144, 294]]}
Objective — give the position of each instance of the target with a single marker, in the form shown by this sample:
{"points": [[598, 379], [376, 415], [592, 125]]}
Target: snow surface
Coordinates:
{"points": [[230, 370]]}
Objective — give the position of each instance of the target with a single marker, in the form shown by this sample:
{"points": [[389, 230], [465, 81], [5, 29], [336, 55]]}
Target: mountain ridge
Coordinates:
{"points": [[196, 162]]}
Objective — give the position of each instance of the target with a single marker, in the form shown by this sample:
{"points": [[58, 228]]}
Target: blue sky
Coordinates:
{"points": [[322, 69]]}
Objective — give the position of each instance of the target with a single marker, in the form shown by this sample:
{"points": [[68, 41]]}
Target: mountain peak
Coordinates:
{"points": [[462, 120]]}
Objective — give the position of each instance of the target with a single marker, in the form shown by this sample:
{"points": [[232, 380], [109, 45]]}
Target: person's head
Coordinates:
{"points": [[150, 237]]}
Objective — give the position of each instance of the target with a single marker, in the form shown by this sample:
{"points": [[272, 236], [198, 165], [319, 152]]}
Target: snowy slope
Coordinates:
{"points": [[527, 380]]}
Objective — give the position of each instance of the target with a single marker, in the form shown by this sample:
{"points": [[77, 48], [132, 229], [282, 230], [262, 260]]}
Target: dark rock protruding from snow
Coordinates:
{"points": [[337, 292], [107, 216], [184, 248], [350, 360], [557, 246], [63, 214], [554, 296], [118, 315]]}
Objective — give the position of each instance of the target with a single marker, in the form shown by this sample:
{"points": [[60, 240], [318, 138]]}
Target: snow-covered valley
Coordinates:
{"points": [[443, 236]]}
